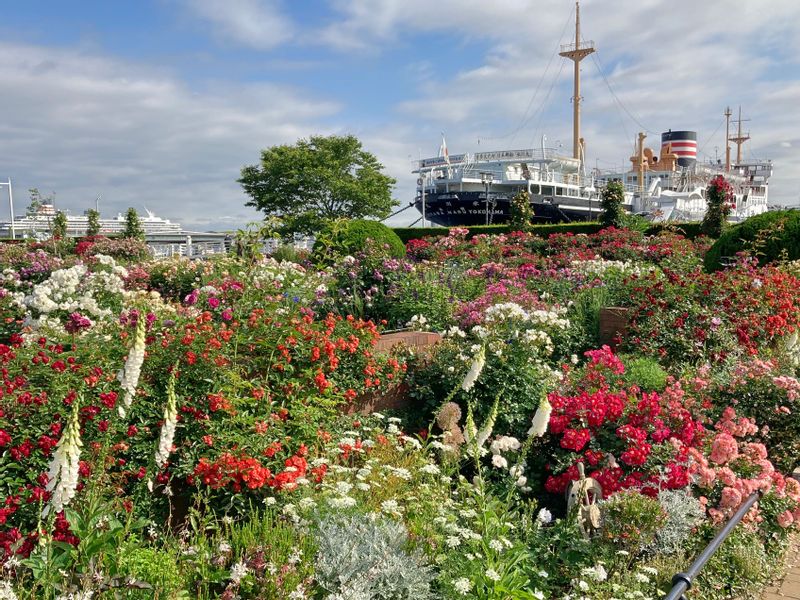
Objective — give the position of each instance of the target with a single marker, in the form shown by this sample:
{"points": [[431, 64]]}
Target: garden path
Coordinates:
{"points": [[789, 586]]}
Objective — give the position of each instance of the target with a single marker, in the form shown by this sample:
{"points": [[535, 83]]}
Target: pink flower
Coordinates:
{"points": [[724, 449], [731, 499], [756, 451], [726, 476], [227, 314], [785, 519], [213, 302]]}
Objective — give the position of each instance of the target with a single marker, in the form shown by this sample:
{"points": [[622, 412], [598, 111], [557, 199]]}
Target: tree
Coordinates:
{"points": [[37, 200], [611, 199], [133, 228], [719, 201], [521, 212], [93, 225], [60, 225], [317, 180]]}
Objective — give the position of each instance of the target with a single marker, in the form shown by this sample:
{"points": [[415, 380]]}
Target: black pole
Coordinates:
{"points": [[683, 581], [486, 186]]}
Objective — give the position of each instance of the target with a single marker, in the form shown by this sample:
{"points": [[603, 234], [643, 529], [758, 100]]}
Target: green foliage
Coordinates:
{"points": [[414, 233], [368, 558], [93, 225], [687, 230], [60, 225], [644, 372], [156, 568], [631, 520], [349, 237], [719, 201], [133, 227], [611, 200], [521, 212], [37, 200], [738, 569], [317, 180], [684, 512], [770, 236]]}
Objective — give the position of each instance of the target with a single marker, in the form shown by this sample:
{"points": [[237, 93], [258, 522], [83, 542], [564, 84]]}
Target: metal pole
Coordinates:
{"points": [[683, 581], [11, 208], [486, 185]]}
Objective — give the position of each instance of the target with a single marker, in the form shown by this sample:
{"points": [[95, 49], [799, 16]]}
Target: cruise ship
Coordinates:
{"points": [[38, 223], [477, 188]]}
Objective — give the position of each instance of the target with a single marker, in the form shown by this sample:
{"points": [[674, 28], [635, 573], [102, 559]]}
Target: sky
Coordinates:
{"points": [[158, 104]]}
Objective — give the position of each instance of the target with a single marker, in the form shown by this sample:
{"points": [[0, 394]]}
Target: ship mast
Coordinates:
{"points": [[740, 139], [577, 52], [728, 114]]}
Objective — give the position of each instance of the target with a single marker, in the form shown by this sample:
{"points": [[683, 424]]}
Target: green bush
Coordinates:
{"points": [[769, 236], [414, 233], [349, 237], [644, 372], [154, 567]]}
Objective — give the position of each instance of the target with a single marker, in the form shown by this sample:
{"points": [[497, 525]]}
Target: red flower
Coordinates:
{"points": [[575, 439]]}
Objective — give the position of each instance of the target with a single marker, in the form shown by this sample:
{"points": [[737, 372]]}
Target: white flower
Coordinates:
{"points": [[583, 586], [129, 374], [270, 500], [429, 469], [462, 585], [538, 594], [492, 574], [170, 422], [62, 476], [598, 573], [343, 502], [299, 593], [295, 556], [475, 370], [545, 516], [238, 571], [7, 591], [499, 462], [453, 541], [505, 443], [391, 507], [641, 578], [496, 545], [541, 419], [224, 547]]}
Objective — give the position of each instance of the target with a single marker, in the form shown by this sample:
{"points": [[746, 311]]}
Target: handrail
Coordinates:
{"points": [[683, 581]]}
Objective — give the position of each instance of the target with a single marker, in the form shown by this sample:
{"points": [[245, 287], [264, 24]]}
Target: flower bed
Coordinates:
{"points": [[191, 429]]}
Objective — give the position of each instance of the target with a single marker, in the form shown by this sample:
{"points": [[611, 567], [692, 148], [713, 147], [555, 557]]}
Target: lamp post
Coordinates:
{"points": [[486, 179], [421, 183], [11, 207]]}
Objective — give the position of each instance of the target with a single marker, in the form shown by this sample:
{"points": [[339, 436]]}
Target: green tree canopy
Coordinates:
{"points": [[60, 225], [318, 180], [133, 227], [611, 199], [93, 222]]}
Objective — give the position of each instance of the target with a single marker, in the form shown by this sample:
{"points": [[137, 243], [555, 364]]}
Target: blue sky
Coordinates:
{"points": [[159, 103]]}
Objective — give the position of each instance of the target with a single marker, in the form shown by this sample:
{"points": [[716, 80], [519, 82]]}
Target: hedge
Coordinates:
{"points": [[770, 236], [689, 230]]}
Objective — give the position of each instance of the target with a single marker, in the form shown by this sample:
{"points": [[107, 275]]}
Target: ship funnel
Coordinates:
{"points": [[682, 143]]}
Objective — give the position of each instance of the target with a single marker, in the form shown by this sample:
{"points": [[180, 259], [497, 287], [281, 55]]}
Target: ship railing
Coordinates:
{"points": [[584, 45]]}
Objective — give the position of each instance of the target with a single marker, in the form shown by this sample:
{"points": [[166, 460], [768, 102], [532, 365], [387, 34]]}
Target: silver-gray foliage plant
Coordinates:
{"points": [[365, 558], [684, 512]]}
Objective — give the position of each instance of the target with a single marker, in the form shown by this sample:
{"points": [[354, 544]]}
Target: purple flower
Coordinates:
{"points": [[76, 322]]}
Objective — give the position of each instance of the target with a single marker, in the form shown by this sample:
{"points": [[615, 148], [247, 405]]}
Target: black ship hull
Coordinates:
{"points": [[468, 209]]}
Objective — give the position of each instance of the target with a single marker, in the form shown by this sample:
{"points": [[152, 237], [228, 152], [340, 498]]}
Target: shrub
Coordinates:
{"points": [[521, 212], [611, 201], [349, 237], [154, 567], [631, 520], [719, 201], [645, 373], [360, 557], [769, 237], [684, 512]]}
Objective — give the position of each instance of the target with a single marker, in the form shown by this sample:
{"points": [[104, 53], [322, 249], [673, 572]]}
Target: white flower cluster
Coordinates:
{"points": [[128, 376], [417, 323], [598, 267], [506, 311], [170, 422], [474, 372], [62, 476]]}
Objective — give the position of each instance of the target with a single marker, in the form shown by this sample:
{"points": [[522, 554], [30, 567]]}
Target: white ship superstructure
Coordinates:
{"points": [[39, 223], [477, 188]]}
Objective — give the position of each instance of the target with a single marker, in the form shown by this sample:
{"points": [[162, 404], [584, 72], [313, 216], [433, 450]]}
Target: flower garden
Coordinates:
{"points": [[195, 429]]}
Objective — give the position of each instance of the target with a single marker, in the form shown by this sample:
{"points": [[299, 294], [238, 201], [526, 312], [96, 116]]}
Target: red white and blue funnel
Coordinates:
{"points": [[682, 143]]}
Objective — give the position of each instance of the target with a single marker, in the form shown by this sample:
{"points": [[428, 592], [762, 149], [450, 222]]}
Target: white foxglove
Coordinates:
{"points": [[170, 421], [129, 374], [62, 477], [474, 370], [541, 419]]}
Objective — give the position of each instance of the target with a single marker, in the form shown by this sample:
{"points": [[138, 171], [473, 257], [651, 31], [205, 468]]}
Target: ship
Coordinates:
{"points": [[38, 223], [477, 188]]}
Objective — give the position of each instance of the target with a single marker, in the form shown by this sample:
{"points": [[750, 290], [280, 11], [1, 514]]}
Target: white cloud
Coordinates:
{"points": [[258, 24], [86, 126]]}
